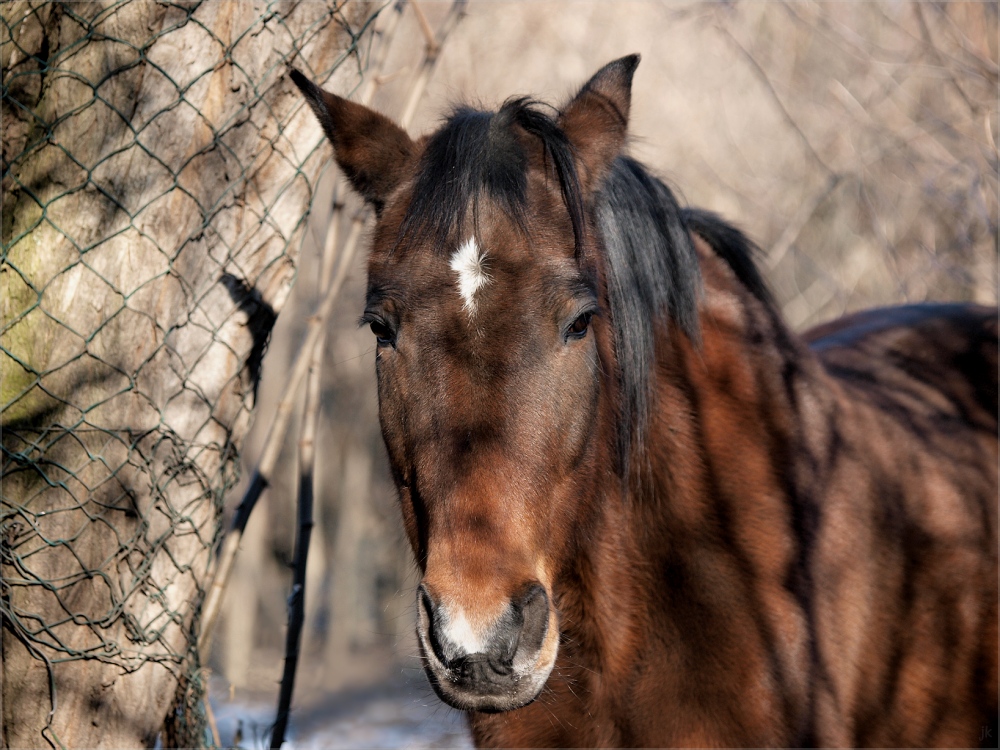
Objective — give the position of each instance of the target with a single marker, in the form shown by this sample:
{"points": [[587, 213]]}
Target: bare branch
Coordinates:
{"points": [[762, 76]]}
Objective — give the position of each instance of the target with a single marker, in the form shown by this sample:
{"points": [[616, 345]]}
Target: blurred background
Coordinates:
{"points": [[855, 142]]}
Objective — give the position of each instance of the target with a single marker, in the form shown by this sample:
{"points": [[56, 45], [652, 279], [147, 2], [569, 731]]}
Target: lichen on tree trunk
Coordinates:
{"points": [[155, 185]]}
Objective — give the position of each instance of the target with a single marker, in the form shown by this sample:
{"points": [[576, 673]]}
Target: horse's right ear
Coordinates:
{"points": [[370, 148], [596, 119]]}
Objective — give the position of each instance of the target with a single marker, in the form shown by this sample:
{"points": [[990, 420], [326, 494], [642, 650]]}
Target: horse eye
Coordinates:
{"points": [[383, 334], [579, 328]]}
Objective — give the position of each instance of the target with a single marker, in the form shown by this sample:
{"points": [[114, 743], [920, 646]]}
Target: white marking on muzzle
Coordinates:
{"points": [[459, 631], [469, 263]]}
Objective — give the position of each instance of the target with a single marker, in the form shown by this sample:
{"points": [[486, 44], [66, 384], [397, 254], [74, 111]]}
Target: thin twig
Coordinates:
{"points": [[316, 327], [276, 433], [212, 725], [424, 26], [933, 51], [297, 599], [761, 75], [332, 236], [989, 135], [807, 209], [307, 441], [433, 52]]}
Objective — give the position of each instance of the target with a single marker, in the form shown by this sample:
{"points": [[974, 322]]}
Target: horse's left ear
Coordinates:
{"points": [[370, 148], [596, 120]]}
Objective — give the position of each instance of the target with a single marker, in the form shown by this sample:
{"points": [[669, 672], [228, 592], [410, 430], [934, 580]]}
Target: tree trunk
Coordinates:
{"points": [[156, 172]]}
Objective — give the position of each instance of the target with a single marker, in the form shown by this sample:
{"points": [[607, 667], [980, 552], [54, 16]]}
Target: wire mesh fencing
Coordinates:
{"points": [[157, 171]]}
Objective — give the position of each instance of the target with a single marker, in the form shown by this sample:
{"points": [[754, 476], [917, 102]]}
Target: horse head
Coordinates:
{"points": [[487, 301]]}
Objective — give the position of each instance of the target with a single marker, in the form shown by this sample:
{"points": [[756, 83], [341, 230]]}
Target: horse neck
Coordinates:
{"points": [[711, 503]]}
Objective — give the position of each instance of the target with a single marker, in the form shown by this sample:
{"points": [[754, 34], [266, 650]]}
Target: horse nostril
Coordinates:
{"points": [[426, 603], [429, 620], [534, 594], [533, 606], [490, 653]]}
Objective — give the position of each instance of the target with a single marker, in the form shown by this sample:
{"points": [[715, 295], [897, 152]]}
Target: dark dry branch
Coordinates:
{"points": [[307, 441]]}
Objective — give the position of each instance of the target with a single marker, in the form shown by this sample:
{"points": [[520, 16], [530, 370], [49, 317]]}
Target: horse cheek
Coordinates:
{"points": [[575, 411], [391, 405], [392, 414]]}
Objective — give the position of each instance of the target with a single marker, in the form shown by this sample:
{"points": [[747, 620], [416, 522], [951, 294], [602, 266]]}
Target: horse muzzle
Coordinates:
{"points": [[499, 667]]}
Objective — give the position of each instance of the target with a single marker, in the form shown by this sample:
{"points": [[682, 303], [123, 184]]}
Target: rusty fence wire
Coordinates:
{"points": [[155, 189]]}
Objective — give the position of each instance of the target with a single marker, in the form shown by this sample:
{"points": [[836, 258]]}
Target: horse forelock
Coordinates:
{"points": [[478, 154]]}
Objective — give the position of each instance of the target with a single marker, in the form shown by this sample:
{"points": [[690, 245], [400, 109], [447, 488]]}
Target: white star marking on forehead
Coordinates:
{"points": [[469, 263]]}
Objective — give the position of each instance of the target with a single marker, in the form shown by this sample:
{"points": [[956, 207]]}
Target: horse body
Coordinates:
{"points": [[646, 513], [824, 570]]}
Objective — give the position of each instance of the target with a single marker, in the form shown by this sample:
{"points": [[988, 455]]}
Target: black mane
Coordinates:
{"points": [[480, 152], [651, 265]]}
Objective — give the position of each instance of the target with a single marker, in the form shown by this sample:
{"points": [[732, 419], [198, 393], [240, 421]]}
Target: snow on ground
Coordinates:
{"points": [[400, 715]]}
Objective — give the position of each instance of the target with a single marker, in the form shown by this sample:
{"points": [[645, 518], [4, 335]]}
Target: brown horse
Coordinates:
{"points": [[645, 511]]}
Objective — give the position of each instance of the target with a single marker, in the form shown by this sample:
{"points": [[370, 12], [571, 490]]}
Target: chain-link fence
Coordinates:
{"points": [[157, 169]]}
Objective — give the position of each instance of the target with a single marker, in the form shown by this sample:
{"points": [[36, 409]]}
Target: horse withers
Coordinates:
{"points": [[645, 511]]}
